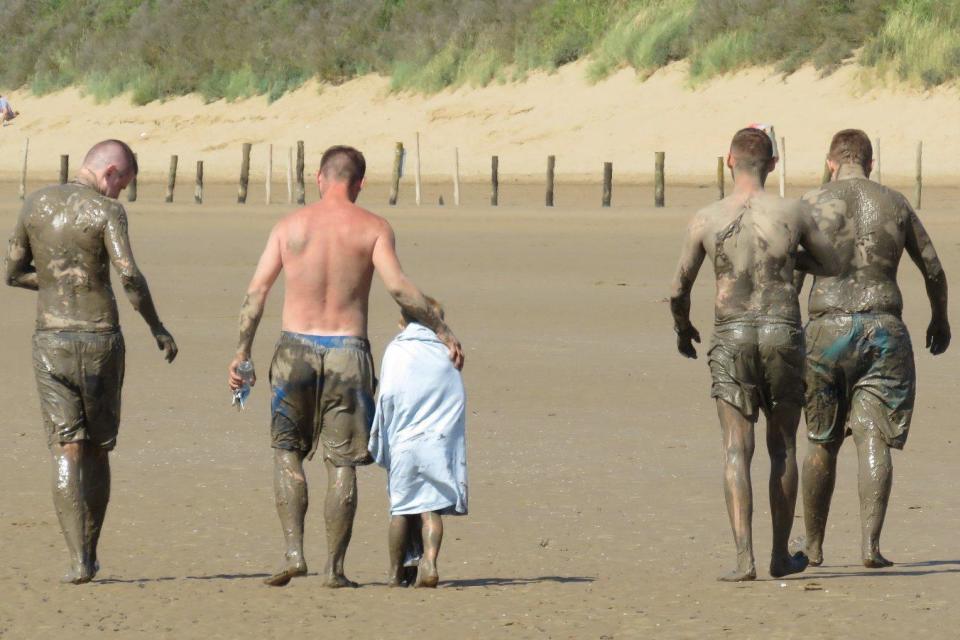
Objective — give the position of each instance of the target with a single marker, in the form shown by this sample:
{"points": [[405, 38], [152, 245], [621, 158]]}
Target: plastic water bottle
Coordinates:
{"points": [[245, 371]]}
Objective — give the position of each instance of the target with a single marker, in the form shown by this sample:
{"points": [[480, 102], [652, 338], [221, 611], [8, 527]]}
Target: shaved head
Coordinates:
{"points": [[343, 164], [752, 150], [111, 152]]}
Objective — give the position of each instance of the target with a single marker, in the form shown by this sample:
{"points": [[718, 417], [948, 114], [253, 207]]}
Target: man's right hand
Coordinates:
{"points": [[456, 350], [685, 340], [938, 336], [166, 343], [234, 381]]}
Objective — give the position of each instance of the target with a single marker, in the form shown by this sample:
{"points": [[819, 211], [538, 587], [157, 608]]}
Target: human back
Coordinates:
{"points": [[753, 241], [66, 226], [867, 224], [327, 254]]}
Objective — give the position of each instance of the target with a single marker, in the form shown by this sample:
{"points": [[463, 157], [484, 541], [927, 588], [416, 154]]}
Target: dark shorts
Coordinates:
{"points": [[860, 377], [323, 390], [757, 365], [79, 377]]}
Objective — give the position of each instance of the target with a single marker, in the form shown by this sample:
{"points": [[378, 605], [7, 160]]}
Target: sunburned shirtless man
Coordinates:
{"points": [[756, 356], [65, 240], [322, 373], [860, 374]]}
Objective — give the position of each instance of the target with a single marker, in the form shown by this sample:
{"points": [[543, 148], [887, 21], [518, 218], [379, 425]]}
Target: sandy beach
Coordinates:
{"points": [[594, 451], [622, 119]]}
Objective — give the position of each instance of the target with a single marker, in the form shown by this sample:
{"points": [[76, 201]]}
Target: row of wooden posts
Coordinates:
{"points": [[296, 186]]}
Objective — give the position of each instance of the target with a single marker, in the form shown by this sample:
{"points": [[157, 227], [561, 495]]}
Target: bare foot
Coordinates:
{"points": [[874, 560], [283, 578], [739, 575], [427, 576], [339, 582], [796, 563], [80, 575]]}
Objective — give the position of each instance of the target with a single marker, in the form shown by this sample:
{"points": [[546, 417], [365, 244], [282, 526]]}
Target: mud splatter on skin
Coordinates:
{"points": [[64, 242], [753, 241], [870, 227]]}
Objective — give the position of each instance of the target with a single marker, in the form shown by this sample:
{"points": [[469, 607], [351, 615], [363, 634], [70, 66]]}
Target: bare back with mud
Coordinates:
{"points": [[73, 235], [753, 245], [869, 226]]}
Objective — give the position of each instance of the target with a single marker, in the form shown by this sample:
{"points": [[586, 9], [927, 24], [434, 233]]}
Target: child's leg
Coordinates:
{"points": [[397, 546], [427, 575]]}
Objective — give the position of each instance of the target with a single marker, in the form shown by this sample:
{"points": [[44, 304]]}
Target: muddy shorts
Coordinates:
{"points": [[859, 376], [323, 390], [79, 376], [757, 365]]}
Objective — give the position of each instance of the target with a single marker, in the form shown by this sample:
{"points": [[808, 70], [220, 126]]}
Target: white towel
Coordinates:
{"points": [[419, 430]]}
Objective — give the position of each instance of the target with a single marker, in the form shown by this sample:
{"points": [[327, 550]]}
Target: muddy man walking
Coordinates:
{"points": [[66, 238], [321, 377], [756, 355], [860, 372]]}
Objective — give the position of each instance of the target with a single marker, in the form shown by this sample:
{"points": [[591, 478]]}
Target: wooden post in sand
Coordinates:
{"points": [[244, 174], [827, 174], [132, 190], [198, 189], [876, 164], [783, 167], [289, 175], [551, 166], [607, 184], [397, 168], [416, 176], [456, 176], [64, 168], [171, 178], [721, 176], [301, 188], [494, 181], [918, 189], [268, 186], [23, 172], [659, 185]]}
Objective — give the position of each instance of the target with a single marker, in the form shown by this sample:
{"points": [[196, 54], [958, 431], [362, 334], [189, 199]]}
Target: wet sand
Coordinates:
{"points": [[594, 448]]}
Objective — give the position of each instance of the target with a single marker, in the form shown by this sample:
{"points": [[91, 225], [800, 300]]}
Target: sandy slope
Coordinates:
{"points": [[622, 119]]}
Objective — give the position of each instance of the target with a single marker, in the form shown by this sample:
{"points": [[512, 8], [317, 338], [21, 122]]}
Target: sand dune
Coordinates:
{"points": [[622, 119]]}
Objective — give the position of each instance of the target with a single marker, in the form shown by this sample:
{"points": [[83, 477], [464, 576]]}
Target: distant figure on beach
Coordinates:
{"points": [[419, 436], [66, 238], [756, 355], [6, 111], [322, 377], [860, 376]]}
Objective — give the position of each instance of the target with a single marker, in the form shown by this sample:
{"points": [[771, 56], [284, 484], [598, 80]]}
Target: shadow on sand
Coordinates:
{"points": [[513, 582], [926, 568]]}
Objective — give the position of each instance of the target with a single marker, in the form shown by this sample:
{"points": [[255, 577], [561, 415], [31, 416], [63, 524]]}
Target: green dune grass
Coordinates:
{"points": [[154, 49]]}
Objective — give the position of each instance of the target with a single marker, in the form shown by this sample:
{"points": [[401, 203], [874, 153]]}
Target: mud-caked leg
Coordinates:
{"points": [[432, 531], [69, 502], [290, 490], [339, 510], [95, 474], [738, 446], [782, 446], [875, 481], [398, 535], [819, 479]]}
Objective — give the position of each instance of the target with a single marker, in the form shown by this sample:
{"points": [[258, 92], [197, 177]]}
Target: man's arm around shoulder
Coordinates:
{"points": [[406, 293], [820, 259]]}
